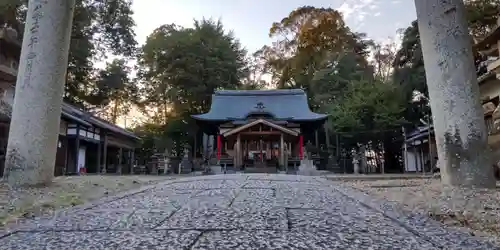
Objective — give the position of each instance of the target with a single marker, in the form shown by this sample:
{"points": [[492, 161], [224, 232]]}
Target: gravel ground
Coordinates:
{"points": [[475, 211], [65, 191], [238, 211]]}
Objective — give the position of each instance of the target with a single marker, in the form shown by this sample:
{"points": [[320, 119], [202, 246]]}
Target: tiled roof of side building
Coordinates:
{"points": [[489, 40], [283, 104], [80, 116]]}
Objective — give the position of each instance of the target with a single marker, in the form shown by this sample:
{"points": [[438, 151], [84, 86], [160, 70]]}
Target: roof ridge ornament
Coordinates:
{"points": [[260, 106]]}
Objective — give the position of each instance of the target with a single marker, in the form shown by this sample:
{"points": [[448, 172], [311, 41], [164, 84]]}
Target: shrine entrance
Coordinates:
{"points": [[261, 145], [259, 129]]}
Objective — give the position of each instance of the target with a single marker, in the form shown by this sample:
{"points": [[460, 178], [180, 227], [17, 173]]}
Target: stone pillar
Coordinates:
{"points": [[32, 145], [454, 94], [363, 161], [355, 163]]}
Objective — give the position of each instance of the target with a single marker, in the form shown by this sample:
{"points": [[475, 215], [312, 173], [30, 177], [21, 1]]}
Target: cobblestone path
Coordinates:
{"points": [[238, 212]]}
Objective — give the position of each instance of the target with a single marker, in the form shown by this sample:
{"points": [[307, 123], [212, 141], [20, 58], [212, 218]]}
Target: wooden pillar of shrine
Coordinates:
{"points": [[238, 151], [282, 150]]}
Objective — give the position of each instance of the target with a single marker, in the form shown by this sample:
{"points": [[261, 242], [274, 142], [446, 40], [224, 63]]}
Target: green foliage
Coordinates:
{"points": [[181, 67], [318, 52], [482, 16], [362, 104], [115, 92], [408, 65], [329, 83], [99, 27], [306, 40], [153, 140]]}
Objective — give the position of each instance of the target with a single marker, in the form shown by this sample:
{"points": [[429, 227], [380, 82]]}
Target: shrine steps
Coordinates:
{"points": [[266, 170]]}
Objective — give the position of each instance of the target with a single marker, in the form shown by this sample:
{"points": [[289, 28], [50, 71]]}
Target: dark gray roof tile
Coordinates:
{"points": [[283, 104], [80, 116]]}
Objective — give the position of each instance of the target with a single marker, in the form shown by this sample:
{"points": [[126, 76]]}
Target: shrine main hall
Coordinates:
{"points": [[260, 128]]}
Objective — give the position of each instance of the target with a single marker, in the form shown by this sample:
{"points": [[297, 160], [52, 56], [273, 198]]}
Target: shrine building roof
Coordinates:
{"points": [[282, 104]]}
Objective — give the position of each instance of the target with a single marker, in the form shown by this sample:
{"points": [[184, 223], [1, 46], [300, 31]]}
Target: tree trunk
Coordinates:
{"points": [[114, 114], [32, 146], [454, 94]]}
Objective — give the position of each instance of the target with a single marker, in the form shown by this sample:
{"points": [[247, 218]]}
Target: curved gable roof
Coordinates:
{"points": [[283, 104]]}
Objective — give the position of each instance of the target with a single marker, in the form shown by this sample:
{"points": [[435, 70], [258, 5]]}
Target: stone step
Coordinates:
{"points": [[268, 170]]}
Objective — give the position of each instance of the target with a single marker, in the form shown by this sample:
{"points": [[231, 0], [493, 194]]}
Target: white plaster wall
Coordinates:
{"points": [[410, 165]]}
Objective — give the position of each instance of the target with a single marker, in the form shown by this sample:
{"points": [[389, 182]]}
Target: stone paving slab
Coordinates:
{"points": [[228, 218], [80, 240], [252, 211], [144, 201], [359, 228], [266, 239]]}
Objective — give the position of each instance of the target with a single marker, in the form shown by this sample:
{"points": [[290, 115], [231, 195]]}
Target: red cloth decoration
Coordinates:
{"points": [[218, 147], [301, 146]]}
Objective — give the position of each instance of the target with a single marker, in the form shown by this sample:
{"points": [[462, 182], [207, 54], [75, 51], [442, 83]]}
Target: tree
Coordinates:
{"points": [[115, 92], [454, 94], [100, 28], [252, 84], [408, 64], [367, 106], [306, 39], [330, 83], [153, 140], [364, 111], [316, 51], [482, 16], [409, 72], [181, 67], [355, 99], [383, 55]]}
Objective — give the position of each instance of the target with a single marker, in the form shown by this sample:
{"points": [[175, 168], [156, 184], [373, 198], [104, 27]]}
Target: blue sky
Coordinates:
{"points": [[251, 20]]}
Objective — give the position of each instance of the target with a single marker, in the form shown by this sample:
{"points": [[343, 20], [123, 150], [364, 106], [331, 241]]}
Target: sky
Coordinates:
{"points": [[250, 20]]}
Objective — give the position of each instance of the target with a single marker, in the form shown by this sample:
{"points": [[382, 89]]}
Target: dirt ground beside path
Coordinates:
{"points": [[66, 191], [477, 210]]}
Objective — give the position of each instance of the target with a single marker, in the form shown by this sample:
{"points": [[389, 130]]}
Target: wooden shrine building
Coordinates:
{"points": [[260, 128]]}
